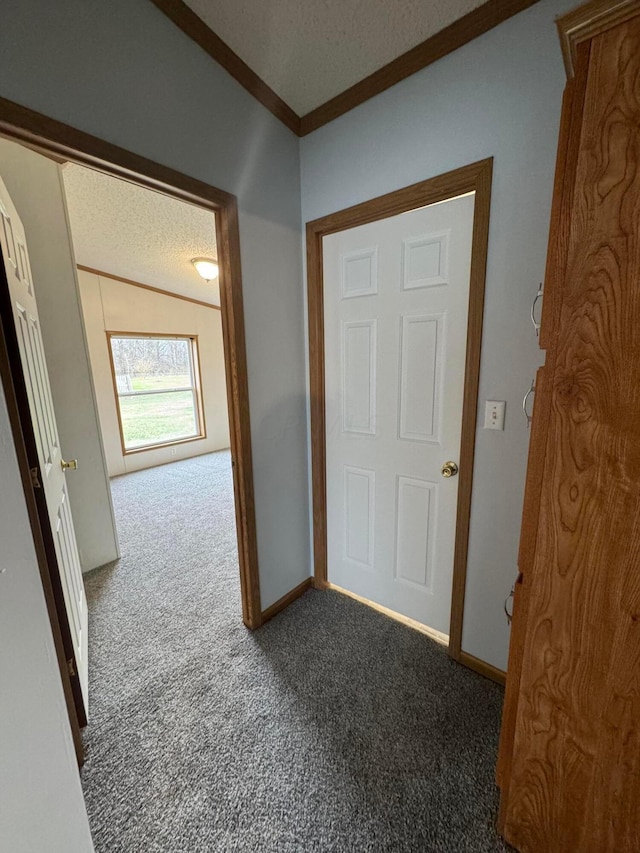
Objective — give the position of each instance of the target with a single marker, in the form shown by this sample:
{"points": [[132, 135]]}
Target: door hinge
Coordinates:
{"points": [[35, 478], [71, 667]]}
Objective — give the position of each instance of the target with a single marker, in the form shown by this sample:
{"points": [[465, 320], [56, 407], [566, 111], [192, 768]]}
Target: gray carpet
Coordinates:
{"points": [[332, 728]]}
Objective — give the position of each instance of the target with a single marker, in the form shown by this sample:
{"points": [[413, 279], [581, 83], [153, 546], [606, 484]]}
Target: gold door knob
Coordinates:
{"points": [[71, 465], [449, 469]]}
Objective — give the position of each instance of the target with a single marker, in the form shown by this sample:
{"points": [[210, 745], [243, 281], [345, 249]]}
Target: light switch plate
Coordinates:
{"points": [[494, 414]]}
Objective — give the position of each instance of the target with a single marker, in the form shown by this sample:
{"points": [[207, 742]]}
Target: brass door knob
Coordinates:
{"points": [[71, 465], [449, 469]]}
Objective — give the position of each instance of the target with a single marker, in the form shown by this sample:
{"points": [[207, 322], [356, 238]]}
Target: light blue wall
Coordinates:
{"points": [[499, 97], [122, 71]]}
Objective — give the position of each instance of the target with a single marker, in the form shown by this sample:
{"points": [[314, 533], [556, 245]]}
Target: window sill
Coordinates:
{"points": [[163, 445]]}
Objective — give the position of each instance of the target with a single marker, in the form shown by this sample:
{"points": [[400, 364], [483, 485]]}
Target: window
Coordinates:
{"points": [[156, 381]]}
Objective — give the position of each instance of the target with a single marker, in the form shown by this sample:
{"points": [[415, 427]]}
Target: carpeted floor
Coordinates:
{"points": [[332, 728]]}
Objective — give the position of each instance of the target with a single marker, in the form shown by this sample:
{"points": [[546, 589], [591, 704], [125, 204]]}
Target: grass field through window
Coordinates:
{"points": [[156, 383], [158, 418]]}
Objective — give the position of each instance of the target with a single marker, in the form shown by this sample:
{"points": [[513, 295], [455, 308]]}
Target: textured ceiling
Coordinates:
{"points": [[135, 233], [308, 51]]}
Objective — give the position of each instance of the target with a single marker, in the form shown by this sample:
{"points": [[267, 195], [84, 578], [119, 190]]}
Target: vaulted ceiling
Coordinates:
{"points": [[310, 61], [309, 51]]}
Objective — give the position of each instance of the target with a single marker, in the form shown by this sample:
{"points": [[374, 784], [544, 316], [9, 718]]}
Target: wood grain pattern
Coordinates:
{"points": [[457, 34], [475, 177], [48, 135], [194, 27], [575, 781], [563, 198], [150, 287], [561, 184], [526, 555], [566, 164], [587, 21], [282, 603], [568, 148]]}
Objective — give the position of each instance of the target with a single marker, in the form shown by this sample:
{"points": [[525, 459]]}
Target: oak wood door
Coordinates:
{"points": [[50, 475], [575, 776]]}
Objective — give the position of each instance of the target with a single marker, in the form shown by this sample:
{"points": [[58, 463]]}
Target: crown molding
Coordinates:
{"points": [[152, 288], [456, 35], [196, 29]]}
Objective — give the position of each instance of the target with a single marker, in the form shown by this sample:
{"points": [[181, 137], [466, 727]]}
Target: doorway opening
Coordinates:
{"points": [[65, 145], [340, 277]]}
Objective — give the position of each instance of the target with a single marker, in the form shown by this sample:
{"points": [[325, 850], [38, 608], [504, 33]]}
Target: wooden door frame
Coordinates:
{"points": [[475, 177], [67, 144]]}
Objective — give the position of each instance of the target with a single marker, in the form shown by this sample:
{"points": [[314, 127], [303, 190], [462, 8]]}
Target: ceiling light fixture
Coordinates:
{"points": [[207, 267]]}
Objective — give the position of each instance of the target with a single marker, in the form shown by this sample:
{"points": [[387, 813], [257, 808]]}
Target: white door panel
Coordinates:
{"points": [[396, 295], [52, 475]]}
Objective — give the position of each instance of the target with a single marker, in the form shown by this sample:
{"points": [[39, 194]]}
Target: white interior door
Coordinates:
{"points": [[52, 474], [396, 296]]}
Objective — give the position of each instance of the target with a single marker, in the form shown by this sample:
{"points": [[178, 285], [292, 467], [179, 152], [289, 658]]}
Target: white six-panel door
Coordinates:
{"points": [[396, 295], [52, 475]]}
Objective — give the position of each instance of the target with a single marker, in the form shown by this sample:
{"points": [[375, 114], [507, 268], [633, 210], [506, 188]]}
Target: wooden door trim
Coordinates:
{"points": [[195, 28], [282, 603], [472, 25], [483, 668], [51, 137], [457, 34], [587, 21], [475, 177]]}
